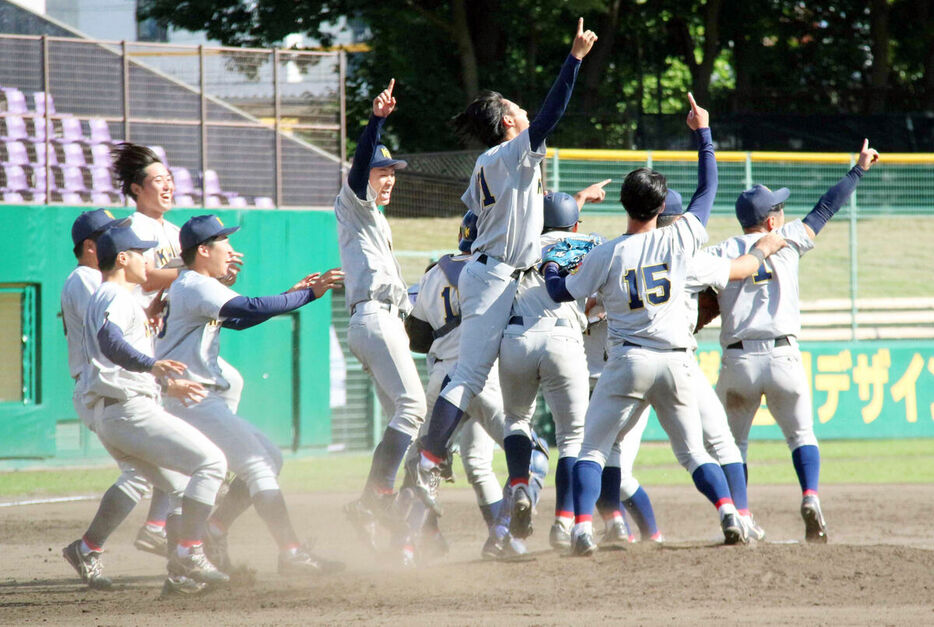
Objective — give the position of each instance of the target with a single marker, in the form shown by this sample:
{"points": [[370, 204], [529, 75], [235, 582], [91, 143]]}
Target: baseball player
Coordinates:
{"points": [[376, 296], [434, 328], [198, 306], [506, 194], [543, 346], [119, 381], [641, 277], [760, 323]]}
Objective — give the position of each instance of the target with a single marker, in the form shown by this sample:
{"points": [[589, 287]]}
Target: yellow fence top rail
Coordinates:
{"points": [[584, 154]]}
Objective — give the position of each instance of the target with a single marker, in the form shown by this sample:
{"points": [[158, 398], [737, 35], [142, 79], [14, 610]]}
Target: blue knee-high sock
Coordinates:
{"points": [[564, 495], [444, 419], [736, 479], [586, 488], [518, 449], [386, 460], [807, 466], [640, 508], [489, 512], [609, 490], [709, 480], [746, 472], [115, 506]]}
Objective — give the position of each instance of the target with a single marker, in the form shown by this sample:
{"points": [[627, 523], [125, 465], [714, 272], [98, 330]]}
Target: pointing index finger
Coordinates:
{"points": [[580, 26], [392, 83], [865, 145], [604, 183], [692, 101]]}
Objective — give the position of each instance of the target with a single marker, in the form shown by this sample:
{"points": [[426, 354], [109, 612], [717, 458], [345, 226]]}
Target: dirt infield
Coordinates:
{"points": [[877, 569]]}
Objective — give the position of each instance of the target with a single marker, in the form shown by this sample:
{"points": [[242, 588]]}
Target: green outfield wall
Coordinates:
{"points": [[283, 362]]}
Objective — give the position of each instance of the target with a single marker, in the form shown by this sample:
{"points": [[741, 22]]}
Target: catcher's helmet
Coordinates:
{"points": [[561, 211], [468, 232]]}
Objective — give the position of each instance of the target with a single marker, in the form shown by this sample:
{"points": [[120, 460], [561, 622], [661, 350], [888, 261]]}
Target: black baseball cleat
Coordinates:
{"points": [[426, 482], [89, 566], [179, 585], [151, 541], [815, 529], [363, 520], [582, 545], [520, 522], [733, 530]]}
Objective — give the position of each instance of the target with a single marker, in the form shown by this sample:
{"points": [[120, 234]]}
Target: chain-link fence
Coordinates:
{"points": [[237, 127]]}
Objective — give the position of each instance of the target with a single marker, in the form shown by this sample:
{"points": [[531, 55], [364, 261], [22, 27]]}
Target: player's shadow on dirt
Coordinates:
{"points": [[70, 584]]}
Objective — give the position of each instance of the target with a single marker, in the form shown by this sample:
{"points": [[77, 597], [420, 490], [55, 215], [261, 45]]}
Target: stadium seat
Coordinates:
{"points": [[183, 182], [38, 100], [72, 179], [74, 154], [100, 155], [13, 197], [237, 201], [99, 131], [160, 152], [39, 149], [13, 101], [264, 202], [71, 131], [14, 128], [15, 153], [101, 179], [14, 179]]}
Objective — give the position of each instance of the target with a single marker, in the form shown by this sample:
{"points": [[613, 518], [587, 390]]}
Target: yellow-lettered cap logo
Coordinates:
{"points": [[108, 214], [219, 221], [386, 153]]}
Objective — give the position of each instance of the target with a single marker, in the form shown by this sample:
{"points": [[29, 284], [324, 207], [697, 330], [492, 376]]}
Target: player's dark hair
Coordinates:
{"points": [[130, 162], [483, 119], [189, 254], [773, 210], [664, 221], [79, 247], [643, 193], [106, 265]]}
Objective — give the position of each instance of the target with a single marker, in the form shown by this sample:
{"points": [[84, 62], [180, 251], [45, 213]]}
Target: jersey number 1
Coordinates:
{"points": [[488, 198]]}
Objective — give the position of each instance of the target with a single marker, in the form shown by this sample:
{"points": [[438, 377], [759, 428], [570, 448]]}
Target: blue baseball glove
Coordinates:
{"points": [[569, 252]]}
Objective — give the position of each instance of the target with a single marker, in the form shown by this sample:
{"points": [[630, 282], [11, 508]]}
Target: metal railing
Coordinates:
{"points": [[269, 123]]}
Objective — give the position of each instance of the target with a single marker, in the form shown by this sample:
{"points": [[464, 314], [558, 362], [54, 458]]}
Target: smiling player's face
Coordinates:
{"points": [[218, 257], [382, 180]]}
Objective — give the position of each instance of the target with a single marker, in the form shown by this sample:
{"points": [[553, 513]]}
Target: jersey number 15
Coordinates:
{"points": [[655, 285]]}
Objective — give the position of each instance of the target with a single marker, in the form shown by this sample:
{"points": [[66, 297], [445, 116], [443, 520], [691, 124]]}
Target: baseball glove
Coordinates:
{"points": [[707, 308], [568, 253]]}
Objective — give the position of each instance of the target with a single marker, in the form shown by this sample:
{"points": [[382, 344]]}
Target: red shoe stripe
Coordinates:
{"points": [[156, 523], [189, 543], [432, 458], [93, 547]]}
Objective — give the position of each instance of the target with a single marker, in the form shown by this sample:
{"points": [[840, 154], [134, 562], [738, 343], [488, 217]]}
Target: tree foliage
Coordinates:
{"points": [[737, 56]]}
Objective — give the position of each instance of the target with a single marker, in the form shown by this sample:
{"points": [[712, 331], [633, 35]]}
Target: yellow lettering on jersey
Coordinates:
{"points": [[906, 388], [871, 380], [832, 384], [214, 323]]}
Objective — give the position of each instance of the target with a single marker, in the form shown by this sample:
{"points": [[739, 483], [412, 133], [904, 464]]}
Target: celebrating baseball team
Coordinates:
{"points": [[603, 327]]}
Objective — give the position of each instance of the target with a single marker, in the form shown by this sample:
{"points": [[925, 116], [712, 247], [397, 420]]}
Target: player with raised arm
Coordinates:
{"points": [[119, 381], [506, 194], [641, 278], [761, 320], [198, 307]]}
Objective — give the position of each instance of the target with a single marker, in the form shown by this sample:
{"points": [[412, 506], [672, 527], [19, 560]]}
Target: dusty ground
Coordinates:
{"points": [[877, 569]]}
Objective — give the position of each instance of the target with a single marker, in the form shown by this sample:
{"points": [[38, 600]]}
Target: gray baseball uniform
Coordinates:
{"points": [[760, 323], [128, 418], [192, 336], [375, 295]]}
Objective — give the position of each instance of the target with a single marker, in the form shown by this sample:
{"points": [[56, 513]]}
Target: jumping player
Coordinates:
{"points": [[119, 381], [640, 277], [506, 194], [198, 306], [761, 320], [376, 296]]}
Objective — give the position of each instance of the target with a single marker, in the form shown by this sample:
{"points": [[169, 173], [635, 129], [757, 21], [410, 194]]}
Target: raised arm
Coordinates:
{"points": [[592, 193], [243, 312], [833, 198], [359, 175], [707, 179], [560, 93]]}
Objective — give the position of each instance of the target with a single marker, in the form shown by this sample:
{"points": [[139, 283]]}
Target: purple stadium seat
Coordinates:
{"points": [[15, 101], [12, 197], [73, 179], [16, 153], [71, 131], [74, 154], [212, 182], [101, 181], [214, 201], [38, 100], [160, 152], [185, 200], [100, 131], [15, 179], [264, 202], [40, 148], [72, 198], [103, 198], [100, 155], [183, 182], [14, 127]]}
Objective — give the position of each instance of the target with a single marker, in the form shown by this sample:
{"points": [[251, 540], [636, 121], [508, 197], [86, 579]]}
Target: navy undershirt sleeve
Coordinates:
{"points": [[359, 174], [555, 284], [242, 312], [119, 351], [833, 199], [555, 103], [707, 178]]}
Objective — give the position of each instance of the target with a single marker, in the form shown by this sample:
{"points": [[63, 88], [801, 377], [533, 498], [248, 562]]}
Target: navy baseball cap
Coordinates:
{"points": [[754, 205], [200, 229], [673, 204], [91, 222], [118, 239], [382, 158]]}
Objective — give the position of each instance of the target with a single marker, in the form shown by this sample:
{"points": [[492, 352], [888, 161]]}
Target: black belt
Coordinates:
{"points": [[779, 341], [516, 274], [673, 350], [559, 322]]}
